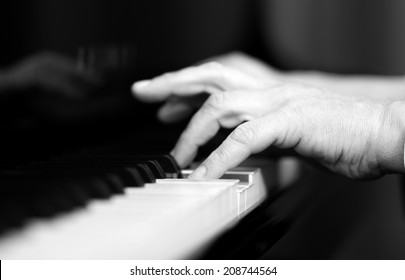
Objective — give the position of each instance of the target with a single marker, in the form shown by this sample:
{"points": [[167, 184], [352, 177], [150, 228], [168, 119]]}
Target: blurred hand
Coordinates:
{"points": [[355, 137], [53, 74], [54, 88]]}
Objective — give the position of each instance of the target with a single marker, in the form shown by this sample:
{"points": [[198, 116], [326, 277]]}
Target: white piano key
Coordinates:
{"points": [[171, 219]]}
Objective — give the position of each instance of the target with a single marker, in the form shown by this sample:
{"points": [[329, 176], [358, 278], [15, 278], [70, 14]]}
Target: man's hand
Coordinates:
{"points": [[54, 74], [355, 137], [234, 71]]}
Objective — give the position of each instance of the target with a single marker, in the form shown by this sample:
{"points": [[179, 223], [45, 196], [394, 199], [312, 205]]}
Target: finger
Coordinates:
{"points": [[247, 64], [179, 108], [201, 128], [225, 109], [240, 106], [247, 138], [173, 112], [188, 81], [210, 77]]}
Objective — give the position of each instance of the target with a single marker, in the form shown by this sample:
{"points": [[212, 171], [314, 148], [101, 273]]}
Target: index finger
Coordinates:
{"points": [[211, 78], [201, 128]]}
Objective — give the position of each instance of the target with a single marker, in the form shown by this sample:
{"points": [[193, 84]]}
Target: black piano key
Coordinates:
{"points": [[166, 162], [124, 175], [170, 165], [127, 176], [47, 188], [145, 172], [115, 183], [39, 198], [127, 173], [133, 177], [44, 205], [97, 188], [78, 195], [52, 188], [107, 180], [46, 193], [155, 168], [33, 195], [60, 200], [153, 165]]}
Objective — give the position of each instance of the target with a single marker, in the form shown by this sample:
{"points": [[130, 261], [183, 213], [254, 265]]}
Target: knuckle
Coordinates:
{"points": [[236, 54], [217, 69], [220, 74], [217, 158], [165, 78], [244, 135], [217, 100], [213, 65]]}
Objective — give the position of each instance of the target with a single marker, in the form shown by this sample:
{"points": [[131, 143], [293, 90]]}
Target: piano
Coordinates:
{"points": [[60, 209], [114, 203]]}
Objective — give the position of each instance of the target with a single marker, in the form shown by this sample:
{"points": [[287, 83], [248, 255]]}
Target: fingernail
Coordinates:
{"points": [[140, 85], [199, 173]]}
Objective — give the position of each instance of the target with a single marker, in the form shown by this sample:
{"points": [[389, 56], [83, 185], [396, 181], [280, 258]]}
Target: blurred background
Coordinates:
{"points": [[345, 36], [122, 41]]}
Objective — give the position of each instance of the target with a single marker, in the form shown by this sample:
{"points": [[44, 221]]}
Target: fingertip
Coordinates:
{"points": [[139, 85], [182, 155], [174, 153], [133, 89], [199, 173]]}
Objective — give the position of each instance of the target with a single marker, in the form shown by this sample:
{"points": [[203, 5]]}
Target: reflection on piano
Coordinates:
{"points": [[110, 204]]}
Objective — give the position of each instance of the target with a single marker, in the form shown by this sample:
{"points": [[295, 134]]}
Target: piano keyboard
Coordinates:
{"points": [[166, 218]]}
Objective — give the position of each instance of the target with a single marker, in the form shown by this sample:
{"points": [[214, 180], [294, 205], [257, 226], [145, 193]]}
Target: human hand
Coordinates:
{"points": [[355, 137], [182, 102], [248, 65], [52, 74], [223, 83]]}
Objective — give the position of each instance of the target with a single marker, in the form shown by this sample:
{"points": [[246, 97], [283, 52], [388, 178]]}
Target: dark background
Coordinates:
{"points": [[360, 36]]}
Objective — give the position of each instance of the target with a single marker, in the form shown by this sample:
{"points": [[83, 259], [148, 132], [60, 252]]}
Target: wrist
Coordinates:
{"points": [[391, 138]]}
